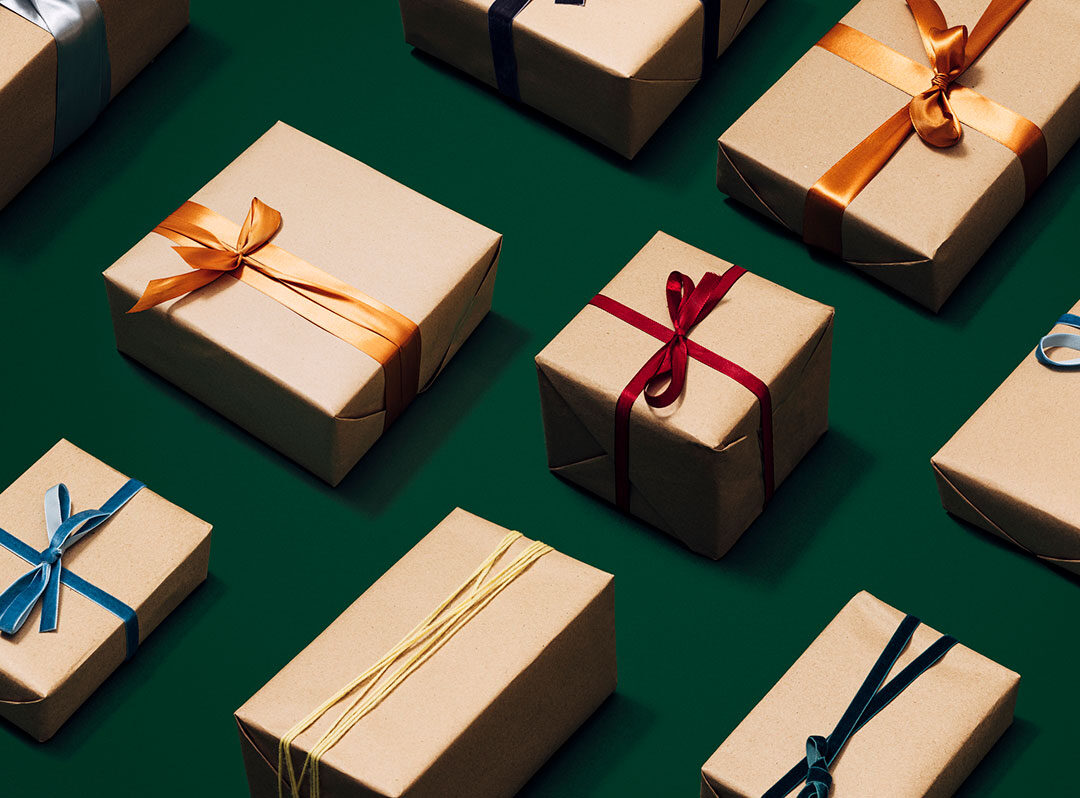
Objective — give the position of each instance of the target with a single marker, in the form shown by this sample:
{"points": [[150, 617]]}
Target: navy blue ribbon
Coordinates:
{"points": [[43, 581], [1063, 341], [83, 70], [813, 772]]}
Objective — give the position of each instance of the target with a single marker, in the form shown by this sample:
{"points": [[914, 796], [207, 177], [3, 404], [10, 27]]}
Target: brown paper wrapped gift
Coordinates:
{"points": [[475, 719], [137, 30], [696, 469], [612, 69], [150, 555], [1002, 470], [921, 745], [284, 378], [930, 214]]}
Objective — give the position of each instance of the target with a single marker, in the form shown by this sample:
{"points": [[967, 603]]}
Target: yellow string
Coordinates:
{"points": [[414, 650]]}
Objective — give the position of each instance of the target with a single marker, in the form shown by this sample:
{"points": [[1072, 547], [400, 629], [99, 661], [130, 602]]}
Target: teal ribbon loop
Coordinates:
{"points": [[1061, 341], [42, 582], [83, 69]]}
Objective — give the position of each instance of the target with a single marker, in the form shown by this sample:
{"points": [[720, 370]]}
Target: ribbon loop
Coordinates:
{"points": [[1060, 341]]}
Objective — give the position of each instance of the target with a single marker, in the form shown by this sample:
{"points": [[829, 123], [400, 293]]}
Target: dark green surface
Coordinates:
{"points": [[700, 642]]}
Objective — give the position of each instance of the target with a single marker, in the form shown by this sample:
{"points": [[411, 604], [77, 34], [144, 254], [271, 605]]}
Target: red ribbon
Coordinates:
{"points": [[663, 378]]}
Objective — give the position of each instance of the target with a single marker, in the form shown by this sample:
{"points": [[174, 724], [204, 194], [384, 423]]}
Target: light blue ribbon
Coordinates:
{"points": [[83, 71], [1062, 341], [43, 581]]}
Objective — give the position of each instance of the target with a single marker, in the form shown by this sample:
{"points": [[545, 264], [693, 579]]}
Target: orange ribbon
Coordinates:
{"points": [[367, 324], [938, 107]]}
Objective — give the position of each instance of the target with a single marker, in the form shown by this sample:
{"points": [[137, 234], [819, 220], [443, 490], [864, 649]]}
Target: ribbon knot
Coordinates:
{"points": [[51, 555], [818, 778], [931, 112]]}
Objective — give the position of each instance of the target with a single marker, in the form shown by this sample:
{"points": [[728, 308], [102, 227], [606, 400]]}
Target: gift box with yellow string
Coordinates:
{"points": [[458, 673], [912, 133], [90, 563], [304, 296]]}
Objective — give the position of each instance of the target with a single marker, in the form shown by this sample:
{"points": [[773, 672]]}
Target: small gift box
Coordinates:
{"points": [[315, 322], [905, 146], [686, 396], [612, 69], [61, 63], [90, 563], [1002, 470], [908, 713], [458, 673]]}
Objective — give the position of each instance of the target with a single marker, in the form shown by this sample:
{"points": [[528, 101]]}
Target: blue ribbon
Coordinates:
{"points": [[43, 581], [83, 70], [1062, 340], [821, 752]]}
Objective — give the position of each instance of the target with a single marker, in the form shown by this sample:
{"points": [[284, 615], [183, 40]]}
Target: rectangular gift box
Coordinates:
{"points": [[696, 469], [477, 718], [930, 214], [137, 30], [612, 69], [921, 745], [301, 389], [1005, 469], [150, 555]]}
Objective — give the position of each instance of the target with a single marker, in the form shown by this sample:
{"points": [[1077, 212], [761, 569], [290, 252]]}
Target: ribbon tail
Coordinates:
{"points": [[19, 599], [166, 288], [50, 603]]}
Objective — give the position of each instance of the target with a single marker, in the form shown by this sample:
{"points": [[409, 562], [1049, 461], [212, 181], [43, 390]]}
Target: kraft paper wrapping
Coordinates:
{"points": [[695, 468], [137, 30], [150, 556], [922, 745], [478, 718], [305, 392], [612, 69], [1004, 469], [930, 214]]}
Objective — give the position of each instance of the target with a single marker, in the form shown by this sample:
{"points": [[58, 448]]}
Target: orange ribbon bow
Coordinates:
{"points": [[201, 236], [938, 107]]}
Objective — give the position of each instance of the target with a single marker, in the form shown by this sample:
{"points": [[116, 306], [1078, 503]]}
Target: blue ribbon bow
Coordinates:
{"points": [[43, 581], [1063, 341]]}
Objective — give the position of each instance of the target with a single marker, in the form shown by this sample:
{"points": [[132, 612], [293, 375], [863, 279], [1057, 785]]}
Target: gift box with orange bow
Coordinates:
{"points": [[911, 134], [685, 397], [305, 296]]}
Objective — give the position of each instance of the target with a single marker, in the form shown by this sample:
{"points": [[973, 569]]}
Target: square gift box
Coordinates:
{"points": [[119, 572], [341, 295], [511, 648], [939, 710], [49, 94], [612, 69], [1005, 469], [803, 152], [701, 462]]}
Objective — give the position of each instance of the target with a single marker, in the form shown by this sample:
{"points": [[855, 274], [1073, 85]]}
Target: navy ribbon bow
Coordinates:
{"points": [[42, 582], [1063, 341], [813, 773]]}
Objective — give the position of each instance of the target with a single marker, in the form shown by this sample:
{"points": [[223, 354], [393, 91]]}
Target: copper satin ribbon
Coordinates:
{"points": [[938, 107], [201, 236]]}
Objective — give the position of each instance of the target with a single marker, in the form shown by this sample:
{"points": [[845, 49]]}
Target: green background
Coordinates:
{"points": [[699, 641]]}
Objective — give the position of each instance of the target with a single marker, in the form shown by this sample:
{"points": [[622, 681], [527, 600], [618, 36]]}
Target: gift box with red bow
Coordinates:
{"points": [[686, 391]]}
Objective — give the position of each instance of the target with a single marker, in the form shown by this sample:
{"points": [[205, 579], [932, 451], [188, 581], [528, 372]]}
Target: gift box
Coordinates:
{"points": [[90, 563], [1002, 469], [685, 397], [612, 69], [315, 322], [511, 648], [907, 712], [49, 92], [831, 151]]}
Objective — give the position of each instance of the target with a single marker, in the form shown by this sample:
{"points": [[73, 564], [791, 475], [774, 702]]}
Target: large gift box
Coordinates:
{"points": [[1004, 469], [612, 69], [90, 563], [686, 396], [878, 705], [305, 296], [883, 146], [458, 673], [60, 62]]}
